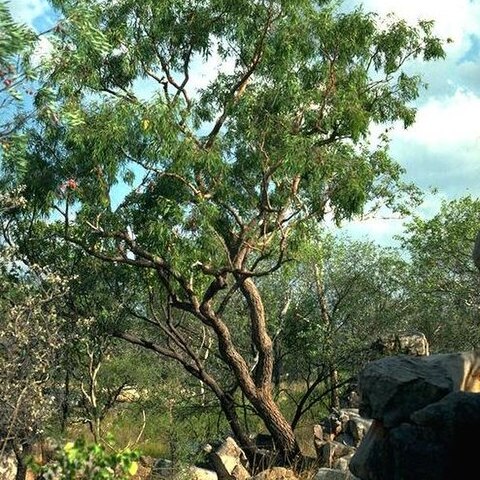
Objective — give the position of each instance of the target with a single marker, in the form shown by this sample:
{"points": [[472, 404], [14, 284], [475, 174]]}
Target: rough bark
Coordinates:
{"points": [[260, 337], [281, 431]]}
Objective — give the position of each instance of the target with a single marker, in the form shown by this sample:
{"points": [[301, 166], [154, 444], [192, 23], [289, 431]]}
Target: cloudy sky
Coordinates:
{"points": [[442, 149]]}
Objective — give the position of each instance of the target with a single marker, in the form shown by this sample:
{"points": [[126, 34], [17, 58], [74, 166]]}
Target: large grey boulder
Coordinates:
{"points": [[426, 415], [394, 387]]}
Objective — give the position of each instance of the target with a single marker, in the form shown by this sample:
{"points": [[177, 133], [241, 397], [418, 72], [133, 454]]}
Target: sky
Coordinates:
{"points": [[441, 150]]}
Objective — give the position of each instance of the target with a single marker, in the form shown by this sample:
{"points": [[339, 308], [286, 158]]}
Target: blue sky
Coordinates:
{"points": [[441, 150]]}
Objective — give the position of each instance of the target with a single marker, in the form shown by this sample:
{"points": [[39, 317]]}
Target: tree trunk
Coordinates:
{"points": [[245, 442], [278, 362], [22, 453], [281, 431], [334, 398], [260, 395]]}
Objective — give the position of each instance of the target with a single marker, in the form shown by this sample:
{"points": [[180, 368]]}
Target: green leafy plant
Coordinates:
{"points": [[82, 461]]}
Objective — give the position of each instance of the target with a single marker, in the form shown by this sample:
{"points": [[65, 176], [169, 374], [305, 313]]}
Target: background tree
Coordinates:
{"points": [[223, 183], [444, 281], [31, 342], [345, 294]]}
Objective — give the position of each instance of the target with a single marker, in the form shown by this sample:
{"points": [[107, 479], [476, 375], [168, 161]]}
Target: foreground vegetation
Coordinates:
{"points": [[174, 245]]}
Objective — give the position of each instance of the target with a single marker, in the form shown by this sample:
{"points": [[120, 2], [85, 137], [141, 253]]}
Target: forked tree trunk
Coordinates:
{"points": [[259, 388]]}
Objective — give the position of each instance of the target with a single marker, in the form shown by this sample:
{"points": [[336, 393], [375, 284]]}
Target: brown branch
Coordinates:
{"points": [[237, 90], [260, 336]]}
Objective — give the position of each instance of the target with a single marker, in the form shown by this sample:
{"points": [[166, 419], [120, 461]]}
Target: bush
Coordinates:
{"points": [[81, 461]]}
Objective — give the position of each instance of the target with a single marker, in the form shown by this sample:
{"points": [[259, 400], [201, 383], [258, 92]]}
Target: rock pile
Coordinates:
{"points": [[337, 438]]}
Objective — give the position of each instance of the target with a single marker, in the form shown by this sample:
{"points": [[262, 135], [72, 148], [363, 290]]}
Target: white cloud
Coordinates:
{"points": [[204, 72], [447, 123], [441, 150], [458, 20], [42, 51], [455, 19]]}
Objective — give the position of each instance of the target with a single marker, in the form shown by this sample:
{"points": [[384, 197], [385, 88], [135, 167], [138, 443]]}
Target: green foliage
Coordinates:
{"points": [[444, 281], [17, 74], [347, 293], [14, 38], [82, 461], [16, 43]]}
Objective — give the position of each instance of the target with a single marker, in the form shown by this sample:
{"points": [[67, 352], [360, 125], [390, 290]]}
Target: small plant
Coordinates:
{"points": [[81, 461]]}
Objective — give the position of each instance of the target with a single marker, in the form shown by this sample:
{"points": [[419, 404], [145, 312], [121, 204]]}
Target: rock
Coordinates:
{"points": [[357, 427], [394, 387], [318, 432], [332, 474], [343, 463], [426, 417], [331, 451], [415, 344], [162, 468], [276, 473], [456, 422], [373, 452], [345, 439], [196, 473], [230, 461]]}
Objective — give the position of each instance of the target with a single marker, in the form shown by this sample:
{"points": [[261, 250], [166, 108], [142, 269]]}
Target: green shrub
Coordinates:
{"points": [[82, 461]]}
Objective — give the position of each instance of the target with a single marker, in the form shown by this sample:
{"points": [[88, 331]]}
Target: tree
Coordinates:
{"points": [[17, 44], [444, 282], [31, 340], [224, 181], [345, 294]]}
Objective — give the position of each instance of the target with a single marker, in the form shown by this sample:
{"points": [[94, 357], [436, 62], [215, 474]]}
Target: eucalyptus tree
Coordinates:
{"points": [[220, 182]]}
